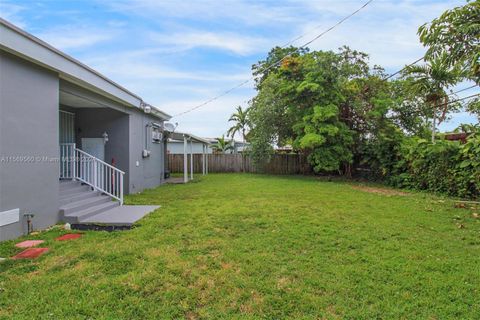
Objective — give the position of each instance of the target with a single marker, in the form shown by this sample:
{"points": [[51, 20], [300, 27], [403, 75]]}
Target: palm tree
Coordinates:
{"points": [[241, 123], [222, 145], [431, 80]]}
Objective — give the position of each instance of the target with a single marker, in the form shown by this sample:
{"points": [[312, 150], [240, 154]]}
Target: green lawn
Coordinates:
{"points": [[253, 246]]}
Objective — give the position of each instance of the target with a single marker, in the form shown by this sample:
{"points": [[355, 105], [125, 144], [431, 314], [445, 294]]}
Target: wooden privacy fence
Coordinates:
{"points": [[278, 164]]}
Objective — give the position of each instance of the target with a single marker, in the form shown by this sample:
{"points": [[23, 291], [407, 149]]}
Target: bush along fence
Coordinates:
{"points": [[278, 164], [448, 167]]}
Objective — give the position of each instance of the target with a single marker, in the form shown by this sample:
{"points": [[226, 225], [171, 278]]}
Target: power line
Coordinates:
{"points": [[278, 61], [408, 65], [318, 27], [416, 61], [457, 100], [464, 89], [314, 39]]}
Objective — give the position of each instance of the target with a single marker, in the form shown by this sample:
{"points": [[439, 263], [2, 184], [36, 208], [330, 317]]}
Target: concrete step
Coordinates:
{"points": [[74, 190], [79, 202], [69, 198], [80, 205], [78, 216], [67, 184]]}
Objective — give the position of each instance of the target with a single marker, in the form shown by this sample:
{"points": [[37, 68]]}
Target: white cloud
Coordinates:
{"points": [[12, 13], [132, 66], [152, 46], [210, 121], [228, 41], [248, 12], [76, 37], [387, 30], [166, 86]]}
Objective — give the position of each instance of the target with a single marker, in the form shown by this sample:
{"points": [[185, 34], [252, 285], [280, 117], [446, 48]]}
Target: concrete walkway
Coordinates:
{"points": [[175, 180]]}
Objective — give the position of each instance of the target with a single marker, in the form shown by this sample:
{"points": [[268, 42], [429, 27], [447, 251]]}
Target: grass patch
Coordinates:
{"points": [[258, 246]]}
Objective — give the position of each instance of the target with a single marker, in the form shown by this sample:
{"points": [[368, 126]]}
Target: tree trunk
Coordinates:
{"points": [[348, 170], [243, 151], [433, 121]]}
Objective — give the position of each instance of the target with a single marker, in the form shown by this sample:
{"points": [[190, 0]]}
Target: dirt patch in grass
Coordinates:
{"points": [[382, 191]]}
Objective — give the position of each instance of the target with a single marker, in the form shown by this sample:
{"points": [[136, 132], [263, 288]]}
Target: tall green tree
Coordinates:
{"points": [[273, 62], [455, 35], [297, 103], [240, 123], [430, 81], [337, 110]]}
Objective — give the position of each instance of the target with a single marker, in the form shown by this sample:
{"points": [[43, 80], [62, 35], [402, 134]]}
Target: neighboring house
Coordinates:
{"points": [[188, 141], [62, 121], [176, 147], [284, 149], [457, 136]]}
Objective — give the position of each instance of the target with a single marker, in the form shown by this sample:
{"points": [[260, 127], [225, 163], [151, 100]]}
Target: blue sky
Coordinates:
{"points": [[177, 54]]}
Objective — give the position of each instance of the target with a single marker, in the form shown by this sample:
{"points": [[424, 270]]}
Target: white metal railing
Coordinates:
{"points": [[79, 165], [67, 163]]}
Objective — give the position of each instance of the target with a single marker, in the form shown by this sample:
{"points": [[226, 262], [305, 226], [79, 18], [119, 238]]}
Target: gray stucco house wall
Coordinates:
{"points": [[37, 82], [144, 172], [28, 140]]}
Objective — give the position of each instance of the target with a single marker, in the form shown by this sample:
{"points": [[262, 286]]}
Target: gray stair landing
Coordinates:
{"points": [[122, 217]]}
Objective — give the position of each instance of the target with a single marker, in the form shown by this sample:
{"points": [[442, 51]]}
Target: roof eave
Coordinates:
{"points": [[11, 41]]}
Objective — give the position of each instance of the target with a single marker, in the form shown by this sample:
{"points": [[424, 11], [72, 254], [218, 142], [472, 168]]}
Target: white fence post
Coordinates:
{"points": [[185, 160]]}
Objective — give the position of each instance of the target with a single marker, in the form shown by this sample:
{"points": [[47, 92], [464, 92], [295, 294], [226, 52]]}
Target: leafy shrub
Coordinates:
{"points": [[448, 167], [382, 154]]}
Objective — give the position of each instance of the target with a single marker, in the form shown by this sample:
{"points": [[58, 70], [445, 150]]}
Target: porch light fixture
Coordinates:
{"points": [[105, 137], [146, 107]]}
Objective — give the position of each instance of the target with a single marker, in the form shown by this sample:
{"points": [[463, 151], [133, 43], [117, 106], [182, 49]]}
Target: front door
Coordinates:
{"points": [[95, 147]]}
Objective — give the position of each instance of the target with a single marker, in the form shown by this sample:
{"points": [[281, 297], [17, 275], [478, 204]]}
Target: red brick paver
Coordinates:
{"points": [[30, 253], [29, 243], [69, 236]]}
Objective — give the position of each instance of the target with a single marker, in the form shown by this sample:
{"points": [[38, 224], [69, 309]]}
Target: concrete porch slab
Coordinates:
{"points": [[124, 216], [175, 180]]}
